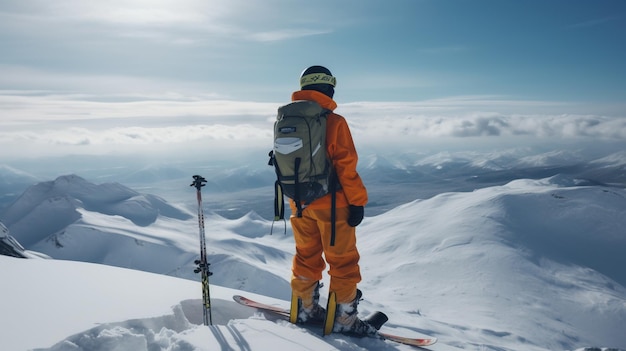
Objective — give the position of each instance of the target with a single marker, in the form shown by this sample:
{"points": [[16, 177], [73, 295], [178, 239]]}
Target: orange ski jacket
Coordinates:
{"points": [[341, 150]]}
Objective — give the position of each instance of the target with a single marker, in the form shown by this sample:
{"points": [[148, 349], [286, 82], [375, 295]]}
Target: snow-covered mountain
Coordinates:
{"points": [[71, 218], [392, 179], [528, 265], [401, 178]]}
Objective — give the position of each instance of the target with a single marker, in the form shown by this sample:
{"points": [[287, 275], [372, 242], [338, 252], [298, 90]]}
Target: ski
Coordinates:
{"points": [[284, 313], [202, 263]]}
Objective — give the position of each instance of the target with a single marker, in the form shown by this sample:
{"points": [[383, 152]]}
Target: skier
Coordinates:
{"points": [[312, 231]]}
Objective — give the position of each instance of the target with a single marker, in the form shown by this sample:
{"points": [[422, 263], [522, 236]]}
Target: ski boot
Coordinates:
{"points": [[347, 322], [309, 314]]}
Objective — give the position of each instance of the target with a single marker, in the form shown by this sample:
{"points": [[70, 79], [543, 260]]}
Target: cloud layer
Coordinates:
{"points": [[39, 124]]}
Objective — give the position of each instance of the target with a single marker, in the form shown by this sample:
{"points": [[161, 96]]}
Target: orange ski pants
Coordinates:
{"points": [[312, 234]]}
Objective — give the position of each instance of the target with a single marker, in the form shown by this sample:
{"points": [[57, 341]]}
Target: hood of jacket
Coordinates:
{"points": [[312, 95]]}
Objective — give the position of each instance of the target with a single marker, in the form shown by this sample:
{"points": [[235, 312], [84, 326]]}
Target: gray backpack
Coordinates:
{"points": [[303, 169]]}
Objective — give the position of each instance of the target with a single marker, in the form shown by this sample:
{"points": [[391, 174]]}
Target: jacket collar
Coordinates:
{"points": [[324, 101]]}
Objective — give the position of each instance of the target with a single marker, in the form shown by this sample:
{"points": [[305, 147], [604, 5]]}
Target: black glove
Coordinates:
{"points": [[356, 215]]}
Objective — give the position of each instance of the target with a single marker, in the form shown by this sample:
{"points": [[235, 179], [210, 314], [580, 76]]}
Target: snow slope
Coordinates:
{"points": [[531, 265], [97, 314]]}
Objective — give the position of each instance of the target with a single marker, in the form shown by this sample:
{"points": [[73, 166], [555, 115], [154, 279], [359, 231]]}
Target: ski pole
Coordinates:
{"points": [[202, 263]]}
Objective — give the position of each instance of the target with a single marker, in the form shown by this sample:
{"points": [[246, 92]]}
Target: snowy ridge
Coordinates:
{"points": [[108, 198], [532, 265], [539, 251], [71, 218]]}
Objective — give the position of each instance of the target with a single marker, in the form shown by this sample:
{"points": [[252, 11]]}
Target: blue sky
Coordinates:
{"points": [[406, 50], [79, 74]]}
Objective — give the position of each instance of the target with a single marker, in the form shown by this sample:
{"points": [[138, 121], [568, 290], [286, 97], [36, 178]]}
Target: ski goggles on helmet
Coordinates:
{"points": [[317, 78]]}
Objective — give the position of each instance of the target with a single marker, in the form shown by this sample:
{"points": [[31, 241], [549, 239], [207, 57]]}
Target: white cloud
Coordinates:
{"points": [[41, 124], [452, 49], [137, 135], [479, 125], [284, 34], [42, 107], [140, 12], [186, 22], [595, 22], [22, 81]]}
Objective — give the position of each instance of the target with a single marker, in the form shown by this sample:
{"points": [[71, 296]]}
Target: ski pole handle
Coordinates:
{"points": [[198, 182]]}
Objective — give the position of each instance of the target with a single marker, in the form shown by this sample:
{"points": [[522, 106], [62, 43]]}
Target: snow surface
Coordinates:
{"points": [[530, 265]]}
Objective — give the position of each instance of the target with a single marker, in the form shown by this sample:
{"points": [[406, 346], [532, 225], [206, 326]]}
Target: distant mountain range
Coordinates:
{"points": [[391, 179]]}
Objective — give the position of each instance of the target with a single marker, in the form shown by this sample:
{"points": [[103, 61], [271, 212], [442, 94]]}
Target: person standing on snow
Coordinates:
{"points": [[312, 231]]}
